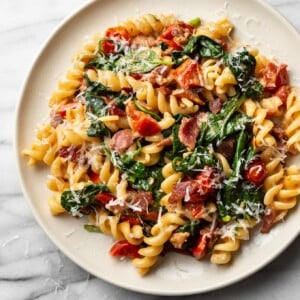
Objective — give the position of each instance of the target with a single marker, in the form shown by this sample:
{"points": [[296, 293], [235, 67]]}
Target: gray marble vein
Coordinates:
{"points": [[31, 266]]}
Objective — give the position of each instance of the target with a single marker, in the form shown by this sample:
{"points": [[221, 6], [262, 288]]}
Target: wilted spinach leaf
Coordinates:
{"points": [[242, 65], [204, 46], [74, 201]]}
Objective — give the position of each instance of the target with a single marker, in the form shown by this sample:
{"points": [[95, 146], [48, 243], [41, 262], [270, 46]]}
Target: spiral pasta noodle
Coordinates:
{"points": [[147, 24], [161, 233], [262, 126], [292, 122]]}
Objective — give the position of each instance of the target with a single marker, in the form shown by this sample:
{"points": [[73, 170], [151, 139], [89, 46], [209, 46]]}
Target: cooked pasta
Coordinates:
{"points": [[167, 136]]}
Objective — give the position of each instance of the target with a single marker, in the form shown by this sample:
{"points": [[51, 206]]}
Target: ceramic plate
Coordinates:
{"points": [[257, 25]]}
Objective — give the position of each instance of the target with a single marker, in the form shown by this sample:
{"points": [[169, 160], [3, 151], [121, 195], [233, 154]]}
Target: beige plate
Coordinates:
{"points": [[258, 25]]}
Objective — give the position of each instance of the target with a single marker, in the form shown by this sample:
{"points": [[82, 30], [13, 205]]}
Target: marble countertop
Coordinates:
{"points": [[31, 266]]}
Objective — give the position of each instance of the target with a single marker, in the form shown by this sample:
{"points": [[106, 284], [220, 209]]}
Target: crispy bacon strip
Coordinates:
{"points": [[122, 140], [188, 132]]}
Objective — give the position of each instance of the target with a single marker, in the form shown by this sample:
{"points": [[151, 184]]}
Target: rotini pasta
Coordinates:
{"points": [[166, 140]]}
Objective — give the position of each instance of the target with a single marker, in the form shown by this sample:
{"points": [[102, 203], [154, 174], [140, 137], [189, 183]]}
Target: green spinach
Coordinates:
{"points": [[242, 65], [142, 60], [226, 122], [74, 201], [238, 198], [204, 46], [200, 157], [146, 111]]}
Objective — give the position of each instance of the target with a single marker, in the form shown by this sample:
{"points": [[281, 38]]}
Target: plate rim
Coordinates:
{"points": [[39, 219]]}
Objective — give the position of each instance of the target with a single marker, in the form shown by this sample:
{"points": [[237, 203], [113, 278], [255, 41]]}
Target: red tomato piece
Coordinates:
{"points": [[63, 109], [107, 47], [151, 216], [132, 220], [146, 125], [105, 198], [256, 172], [196, 208], [119, 32], [94, 177], [188, 74], [142, 123], [124, 249], [200, 249], [171, 44]]}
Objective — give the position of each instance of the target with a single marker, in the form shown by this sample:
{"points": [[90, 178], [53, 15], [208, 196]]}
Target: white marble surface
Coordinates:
{"points": [[31, 267]]}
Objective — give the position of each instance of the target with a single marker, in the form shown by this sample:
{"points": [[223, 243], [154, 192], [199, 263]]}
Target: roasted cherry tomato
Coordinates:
{"points": [[132, 220], [118, 32], [124, 249], [188, 74], [107, 46], [171, 44], [200, 249], [105, 198], [142, 123], [256, 172], [113, 34], [94, 177]]}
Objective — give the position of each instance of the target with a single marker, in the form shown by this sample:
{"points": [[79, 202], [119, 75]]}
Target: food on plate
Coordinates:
{"points": [[168, 136]]}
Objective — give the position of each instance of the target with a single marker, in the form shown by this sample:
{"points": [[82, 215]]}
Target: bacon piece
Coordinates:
{"points": [[165, 142], [55, 119], [142, 200], [215, 106], [178, 32], [142, 40], [275, 76], [189, 94], [160, 76], [178, 239], [208, 180], [268, 220], [227, 148], [165, 90], [188, 132], [196, 209], [122, 140], [115, 110], [71, 153], [283, 93], [279, 134], [196, 190], [187, 191]]}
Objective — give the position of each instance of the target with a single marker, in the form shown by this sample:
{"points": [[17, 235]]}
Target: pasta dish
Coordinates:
{"points": [[169, 137]]}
